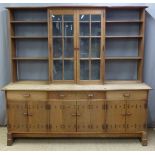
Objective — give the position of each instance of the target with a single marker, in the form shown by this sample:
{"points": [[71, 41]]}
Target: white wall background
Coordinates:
{"points": [[149, 63]]}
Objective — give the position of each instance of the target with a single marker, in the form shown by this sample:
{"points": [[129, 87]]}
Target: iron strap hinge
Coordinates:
{"points": [[105, 106], [48, 106], [145, 105]]}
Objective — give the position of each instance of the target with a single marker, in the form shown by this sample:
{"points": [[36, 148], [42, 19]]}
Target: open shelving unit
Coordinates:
{"points": [[124, 44], [29, 43]]}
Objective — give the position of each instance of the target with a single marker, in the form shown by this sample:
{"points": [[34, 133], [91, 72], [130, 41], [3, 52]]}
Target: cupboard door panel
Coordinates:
{"points": [[17, 116], [62, 116], [136, 116], [115, 117], [90, 116], [97, 115], [37, 116], [83, 116]]}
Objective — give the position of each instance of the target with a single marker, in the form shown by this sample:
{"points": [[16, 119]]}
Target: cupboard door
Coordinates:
{"points": [[115, 116], [90, 116], [62, 37], [17, 116], [83, 116], [37, 116], [62, 116], [90, 45], [136, 116], [97, 115]]}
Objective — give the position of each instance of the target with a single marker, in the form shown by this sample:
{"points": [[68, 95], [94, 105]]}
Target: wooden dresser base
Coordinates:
{"points": [[80, 111], [141, 135]]}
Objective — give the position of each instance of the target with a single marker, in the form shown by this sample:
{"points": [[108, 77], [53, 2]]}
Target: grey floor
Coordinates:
{"points": [[77, 144]]}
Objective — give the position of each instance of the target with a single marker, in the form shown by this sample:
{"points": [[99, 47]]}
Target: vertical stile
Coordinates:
{"points": [[141, 45], [49, 45]]}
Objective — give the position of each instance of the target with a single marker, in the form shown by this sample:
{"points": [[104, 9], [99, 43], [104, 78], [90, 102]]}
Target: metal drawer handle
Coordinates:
{"points": [[62, 95], [26, 114], [75, 114], [126, 95], [26, 95], [128, 114], [90, 95]]}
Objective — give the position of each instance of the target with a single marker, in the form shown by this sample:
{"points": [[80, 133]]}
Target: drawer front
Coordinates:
{"points": [[121, 95], [24, 95], [90, 95], [67, 95]]}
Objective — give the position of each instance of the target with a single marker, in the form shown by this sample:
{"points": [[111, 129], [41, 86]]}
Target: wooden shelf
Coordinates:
{"points": [[125, 37], [28, 37], [90, 36], [63, 36], [123, 58], [30, 58], [63, 58], [124, 21], [90, 58], [28, 22]]}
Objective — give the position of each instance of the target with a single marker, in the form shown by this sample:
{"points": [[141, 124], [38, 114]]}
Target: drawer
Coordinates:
{"points": [[90, 95], [121, 95], [67, 95], [22, 95]]}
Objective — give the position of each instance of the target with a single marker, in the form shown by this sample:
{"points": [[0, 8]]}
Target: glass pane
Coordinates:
{"points": [[84, 29], [68, 70], [68, 17], [68, 29], [57, 29], [57, 70], [57, 17], [68, 47], [95, 17], [84, 47], [57, 47], [95, 29], [84, 18], [95, 70], [95, 47], [84, 70]]}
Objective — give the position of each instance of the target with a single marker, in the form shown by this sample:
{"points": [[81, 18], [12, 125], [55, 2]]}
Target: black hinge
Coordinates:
{"points": [[145, 105], [48, 106], [103, 106], [104, 126], [106, 106], [47, 126], [50, 126], [8, 106]]}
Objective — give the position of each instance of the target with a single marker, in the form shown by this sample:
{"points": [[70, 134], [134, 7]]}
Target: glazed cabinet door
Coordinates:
{"points": [[90, 116], [90, 43], [136, 115], [62, 42], [37, 116], [17, 116], [115, 116], [62, 116]]}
